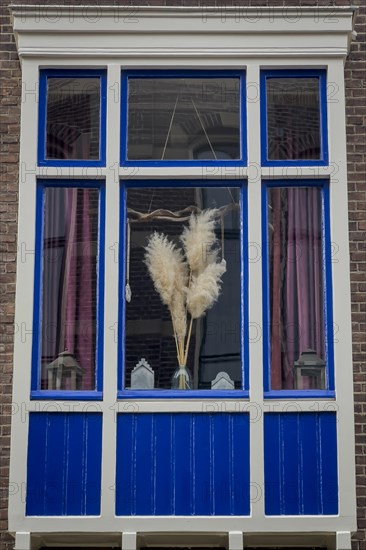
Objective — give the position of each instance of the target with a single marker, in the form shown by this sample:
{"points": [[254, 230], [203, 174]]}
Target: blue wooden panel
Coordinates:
{"points": [[182, 464], [300, 463], [64, 464]]}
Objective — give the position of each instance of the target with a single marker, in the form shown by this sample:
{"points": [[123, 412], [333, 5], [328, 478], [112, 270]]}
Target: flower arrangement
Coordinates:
{"points": [[187, 278]]}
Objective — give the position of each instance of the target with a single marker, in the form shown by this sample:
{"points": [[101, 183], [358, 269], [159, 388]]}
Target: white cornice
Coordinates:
{"points": [[161, 32], [149, 53]]}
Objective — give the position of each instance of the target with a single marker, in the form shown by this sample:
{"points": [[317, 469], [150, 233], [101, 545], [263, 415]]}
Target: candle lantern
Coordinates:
{"points": [[312, 366], [64, 373]]}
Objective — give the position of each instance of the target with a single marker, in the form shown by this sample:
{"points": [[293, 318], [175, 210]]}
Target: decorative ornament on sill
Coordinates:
{"points": [[188, 280], [63, 369], [313, 367]]}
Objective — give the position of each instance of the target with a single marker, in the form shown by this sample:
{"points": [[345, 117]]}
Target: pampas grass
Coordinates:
{"points": [[204, 289], [199, 240], [189, 280]]}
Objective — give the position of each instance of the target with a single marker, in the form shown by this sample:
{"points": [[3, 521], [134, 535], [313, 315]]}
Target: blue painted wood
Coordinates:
{"points": [[64, 464], [182, 464], [202, 492], [327, 429], [240, 463], [300, 463]]}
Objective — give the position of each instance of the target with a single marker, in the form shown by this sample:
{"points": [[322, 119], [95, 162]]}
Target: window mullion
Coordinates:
{"points": [[111, 288]]}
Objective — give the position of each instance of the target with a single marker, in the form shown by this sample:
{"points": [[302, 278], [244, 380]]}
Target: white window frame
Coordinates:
{"points": [[230, 38]]}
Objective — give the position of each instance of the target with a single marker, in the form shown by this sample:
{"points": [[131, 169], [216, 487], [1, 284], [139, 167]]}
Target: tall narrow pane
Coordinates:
{"points": [[183, 118], [212, 344], [69, 281], [73, 118], [293, 119], [297, 338]]}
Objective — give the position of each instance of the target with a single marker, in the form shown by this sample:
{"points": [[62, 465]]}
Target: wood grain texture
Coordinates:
{"points": [[64, 464], [182, 464], [300, 464]]}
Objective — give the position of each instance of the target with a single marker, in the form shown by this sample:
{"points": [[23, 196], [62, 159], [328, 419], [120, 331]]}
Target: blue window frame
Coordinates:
{"points": [[80, 249], [125, 243], [308, 144], [325, 285], [78, 126], [224, 157]]}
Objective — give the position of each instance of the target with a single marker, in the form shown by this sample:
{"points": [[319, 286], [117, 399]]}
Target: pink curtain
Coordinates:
{"points": [[68, 302], [77, 298], [297, 288]]}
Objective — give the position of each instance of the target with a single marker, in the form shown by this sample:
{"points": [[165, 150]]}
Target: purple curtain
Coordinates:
{"points": [[77, 299], [68, 304], [297, 288]]}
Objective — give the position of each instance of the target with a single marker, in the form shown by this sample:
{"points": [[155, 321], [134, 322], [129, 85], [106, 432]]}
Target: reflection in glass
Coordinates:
{"points": [[73, 118], [181, 118], [215, 344], [296, 288], [70, 236], [293, 119]]}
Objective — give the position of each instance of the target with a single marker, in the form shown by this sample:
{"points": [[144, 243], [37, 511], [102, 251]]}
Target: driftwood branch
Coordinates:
{"points": [[178, 216]]}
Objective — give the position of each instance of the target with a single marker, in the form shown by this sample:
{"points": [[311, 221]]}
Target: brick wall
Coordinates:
{"points": [[10, 97], [9, 147]]}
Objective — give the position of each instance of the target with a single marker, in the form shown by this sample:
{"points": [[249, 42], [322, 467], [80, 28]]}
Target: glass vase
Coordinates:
{"points": [[182, 379]]}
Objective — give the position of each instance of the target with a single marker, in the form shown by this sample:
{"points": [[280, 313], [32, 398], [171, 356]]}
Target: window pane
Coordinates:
{"points": [[183, 118], [293, 119], [296, 288], [73, 113], [214, 343], [70, 237]]}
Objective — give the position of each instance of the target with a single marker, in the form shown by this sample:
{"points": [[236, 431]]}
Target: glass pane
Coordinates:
{"points": [[211, 348], [293, 119], [70, 242], [183, 118], [73, 118], [297, 338]]}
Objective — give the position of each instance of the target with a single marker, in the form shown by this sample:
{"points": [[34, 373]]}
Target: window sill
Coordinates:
{"points": [[66, 395], [183, 394], [300, 394]]}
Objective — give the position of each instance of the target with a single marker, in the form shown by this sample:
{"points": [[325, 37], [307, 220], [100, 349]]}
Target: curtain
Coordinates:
{"points": [[68, 299], [297, 317]]}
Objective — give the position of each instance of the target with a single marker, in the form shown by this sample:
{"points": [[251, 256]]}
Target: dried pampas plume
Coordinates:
{"points": [[205, 289], [187, 285], [160, 257], [199, 240]]}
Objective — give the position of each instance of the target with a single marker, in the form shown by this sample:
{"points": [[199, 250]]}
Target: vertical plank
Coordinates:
{"points": [[36, 466], [93, 463], [183, 467], [202, 488], [309, 466], [163, 479], [55, 474], [125, 466], [328, 466], [272, 465], [143, 441], [290, 445], [221, 460], [240, 464], [74, 487]]}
